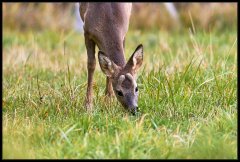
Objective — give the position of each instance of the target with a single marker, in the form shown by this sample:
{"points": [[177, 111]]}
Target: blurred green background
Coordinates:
{"points": [[145, 16]]}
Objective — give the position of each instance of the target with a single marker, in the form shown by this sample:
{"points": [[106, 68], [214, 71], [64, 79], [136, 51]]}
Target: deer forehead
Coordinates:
{"points": [[126, 81]]}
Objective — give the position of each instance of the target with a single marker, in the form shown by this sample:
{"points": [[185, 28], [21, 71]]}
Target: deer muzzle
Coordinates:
{"points": [[131, 103]]}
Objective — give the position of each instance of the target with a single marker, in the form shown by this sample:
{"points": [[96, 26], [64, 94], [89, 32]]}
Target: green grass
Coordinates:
{"points": [[188, 98]]}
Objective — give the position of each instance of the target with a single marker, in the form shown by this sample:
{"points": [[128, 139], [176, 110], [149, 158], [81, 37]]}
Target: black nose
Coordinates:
{"points": [[134, 111]]}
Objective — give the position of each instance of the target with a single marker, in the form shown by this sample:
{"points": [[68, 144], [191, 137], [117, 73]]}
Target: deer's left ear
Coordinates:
{"points": [[135, 61]]}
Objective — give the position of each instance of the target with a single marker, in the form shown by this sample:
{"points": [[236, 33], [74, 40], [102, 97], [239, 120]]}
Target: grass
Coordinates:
{"points": [[187, 87]]}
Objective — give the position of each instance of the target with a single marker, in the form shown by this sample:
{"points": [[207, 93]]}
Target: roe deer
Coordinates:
{"points": [[105, 25]]}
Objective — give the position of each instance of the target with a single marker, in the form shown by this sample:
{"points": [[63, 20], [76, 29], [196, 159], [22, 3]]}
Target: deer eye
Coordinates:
{"points": [[136, 89], [119, 93]]}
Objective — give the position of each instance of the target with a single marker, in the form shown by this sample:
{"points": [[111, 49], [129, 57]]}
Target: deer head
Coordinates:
{"points": [[124, 78]]}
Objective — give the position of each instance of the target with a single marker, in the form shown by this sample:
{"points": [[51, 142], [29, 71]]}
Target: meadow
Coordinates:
{"points": [[187, 98]]}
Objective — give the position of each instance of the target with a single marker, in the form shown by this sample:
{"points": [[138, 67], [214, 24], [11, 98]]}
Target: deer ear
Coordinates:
{"points": [[136, 59], [108, 67]]}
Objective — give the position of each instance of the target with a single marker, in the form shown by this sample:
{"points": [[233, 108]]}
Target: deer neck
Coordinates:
{"points": [[116, 54]]}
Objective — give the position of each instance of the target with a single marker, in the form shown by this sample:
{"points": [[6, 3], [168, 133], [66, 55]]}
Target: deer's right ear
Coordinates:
{"points": [[108, 67], [136, 60]]}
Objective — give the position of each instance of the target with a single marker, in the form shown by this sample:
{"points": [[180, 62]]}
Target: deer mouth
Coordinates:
{"points": [[134, 110]]}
